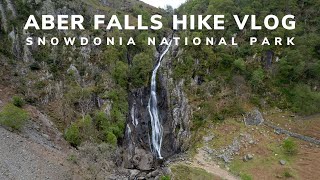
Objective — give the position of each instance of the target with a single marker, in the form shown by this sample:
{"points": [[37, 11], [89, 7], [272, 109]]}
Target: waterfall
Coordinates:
{"points": [[133, 116], [157, 132], [130, 147]]}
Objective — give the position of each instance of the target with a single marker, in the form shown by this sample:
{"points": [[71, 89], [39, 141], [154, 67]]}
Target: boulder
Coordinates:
{"points": [[247, 157], [282, 162], [143, 160], [134, 173], [254, 118], [207, 139]]}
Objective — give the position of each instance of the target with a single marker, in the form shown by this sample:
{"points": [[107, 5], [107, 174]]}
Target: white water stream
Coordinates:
{"points": [[157, 131]]}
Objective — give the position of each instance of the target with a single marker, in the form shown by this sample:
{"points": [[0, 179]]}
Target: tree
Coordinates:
{"points": [[140, 71]]}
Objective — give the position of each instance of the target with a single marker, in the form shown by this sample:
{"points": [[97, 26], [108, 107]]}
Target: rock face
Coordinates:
{"points": [[254, 118], [175, 114]]}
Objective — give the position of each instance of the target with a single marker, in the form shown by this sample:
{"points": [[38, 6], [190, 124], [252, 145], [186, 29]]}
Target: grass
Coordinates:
{"points": [[222, 138], [246, 177], [73, 158], [267, 162], [183, 172], [290, 147], [273, 151]]}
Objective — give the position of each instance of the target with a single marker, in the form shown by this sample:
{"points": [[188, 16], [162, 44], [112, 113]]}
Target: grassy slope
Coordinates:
{"points": [[268, 151]]}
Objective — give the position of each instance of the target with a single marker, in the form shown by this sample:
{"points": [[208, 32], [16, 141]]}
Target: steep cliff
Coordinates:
{"points": [[175, 119]]}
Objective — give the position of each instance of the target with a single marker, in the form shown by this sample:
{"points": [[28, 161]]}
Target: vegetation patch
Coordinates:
{"points": [[13, 117], [72, 135], [290, 147], [190, 173], [18, 101]]}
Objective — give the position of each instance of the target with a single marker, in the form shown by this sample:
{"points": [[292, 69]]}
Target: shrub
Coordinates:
{"points": [[101, 119], [72, 135], [86, 128], [111, 138], [13, 117], [165, 178], [73, 158], [290, 147], [35, 66], [287, 174], [239, 64], [120, 73], [18, 101], [304, 100], [257, 77]]}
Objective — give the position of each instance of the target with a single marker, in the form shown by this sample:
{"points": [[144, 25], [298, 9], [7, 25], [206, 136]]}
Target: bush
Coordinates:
{"points": [[73, 158], [240, 65], [72, 135], [257, 78], [287, 174], [111, 138], [86, 128], [120, 74], [35, 66], [101, 120], [165, 178], [13, 117], [304, 100], [290, 147], [18, 101]]}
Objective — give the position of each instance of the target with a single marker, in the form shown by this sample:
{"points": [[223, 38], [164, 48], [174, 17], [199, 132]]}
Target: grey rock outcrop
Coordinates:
{"points": [[279, 130], [254, 118]]}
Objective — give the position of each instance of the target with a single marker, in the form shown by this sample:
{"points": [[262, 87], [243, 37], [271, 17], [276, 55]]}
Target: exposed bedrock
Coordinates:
{"points": [[175, 115]]}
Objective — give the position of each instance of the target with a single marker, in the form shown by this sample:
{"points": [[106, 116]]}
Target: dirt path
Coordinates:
{"points": [[211, 167]]}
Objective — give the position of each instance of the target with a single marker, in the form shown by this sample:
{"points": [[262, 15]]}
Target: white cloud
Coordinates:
{"points": [[163, 3]]}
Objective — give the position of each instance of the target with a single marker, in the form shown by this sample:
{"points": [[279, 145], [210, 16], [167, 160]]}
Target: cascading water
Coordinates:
{"points": [[133, 116], [157, 132]]}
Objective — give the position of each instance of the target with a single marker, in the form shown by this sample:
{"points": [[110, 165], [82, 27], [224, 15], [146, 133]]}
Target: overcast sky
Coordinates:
{"points": [[163, 3]]}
